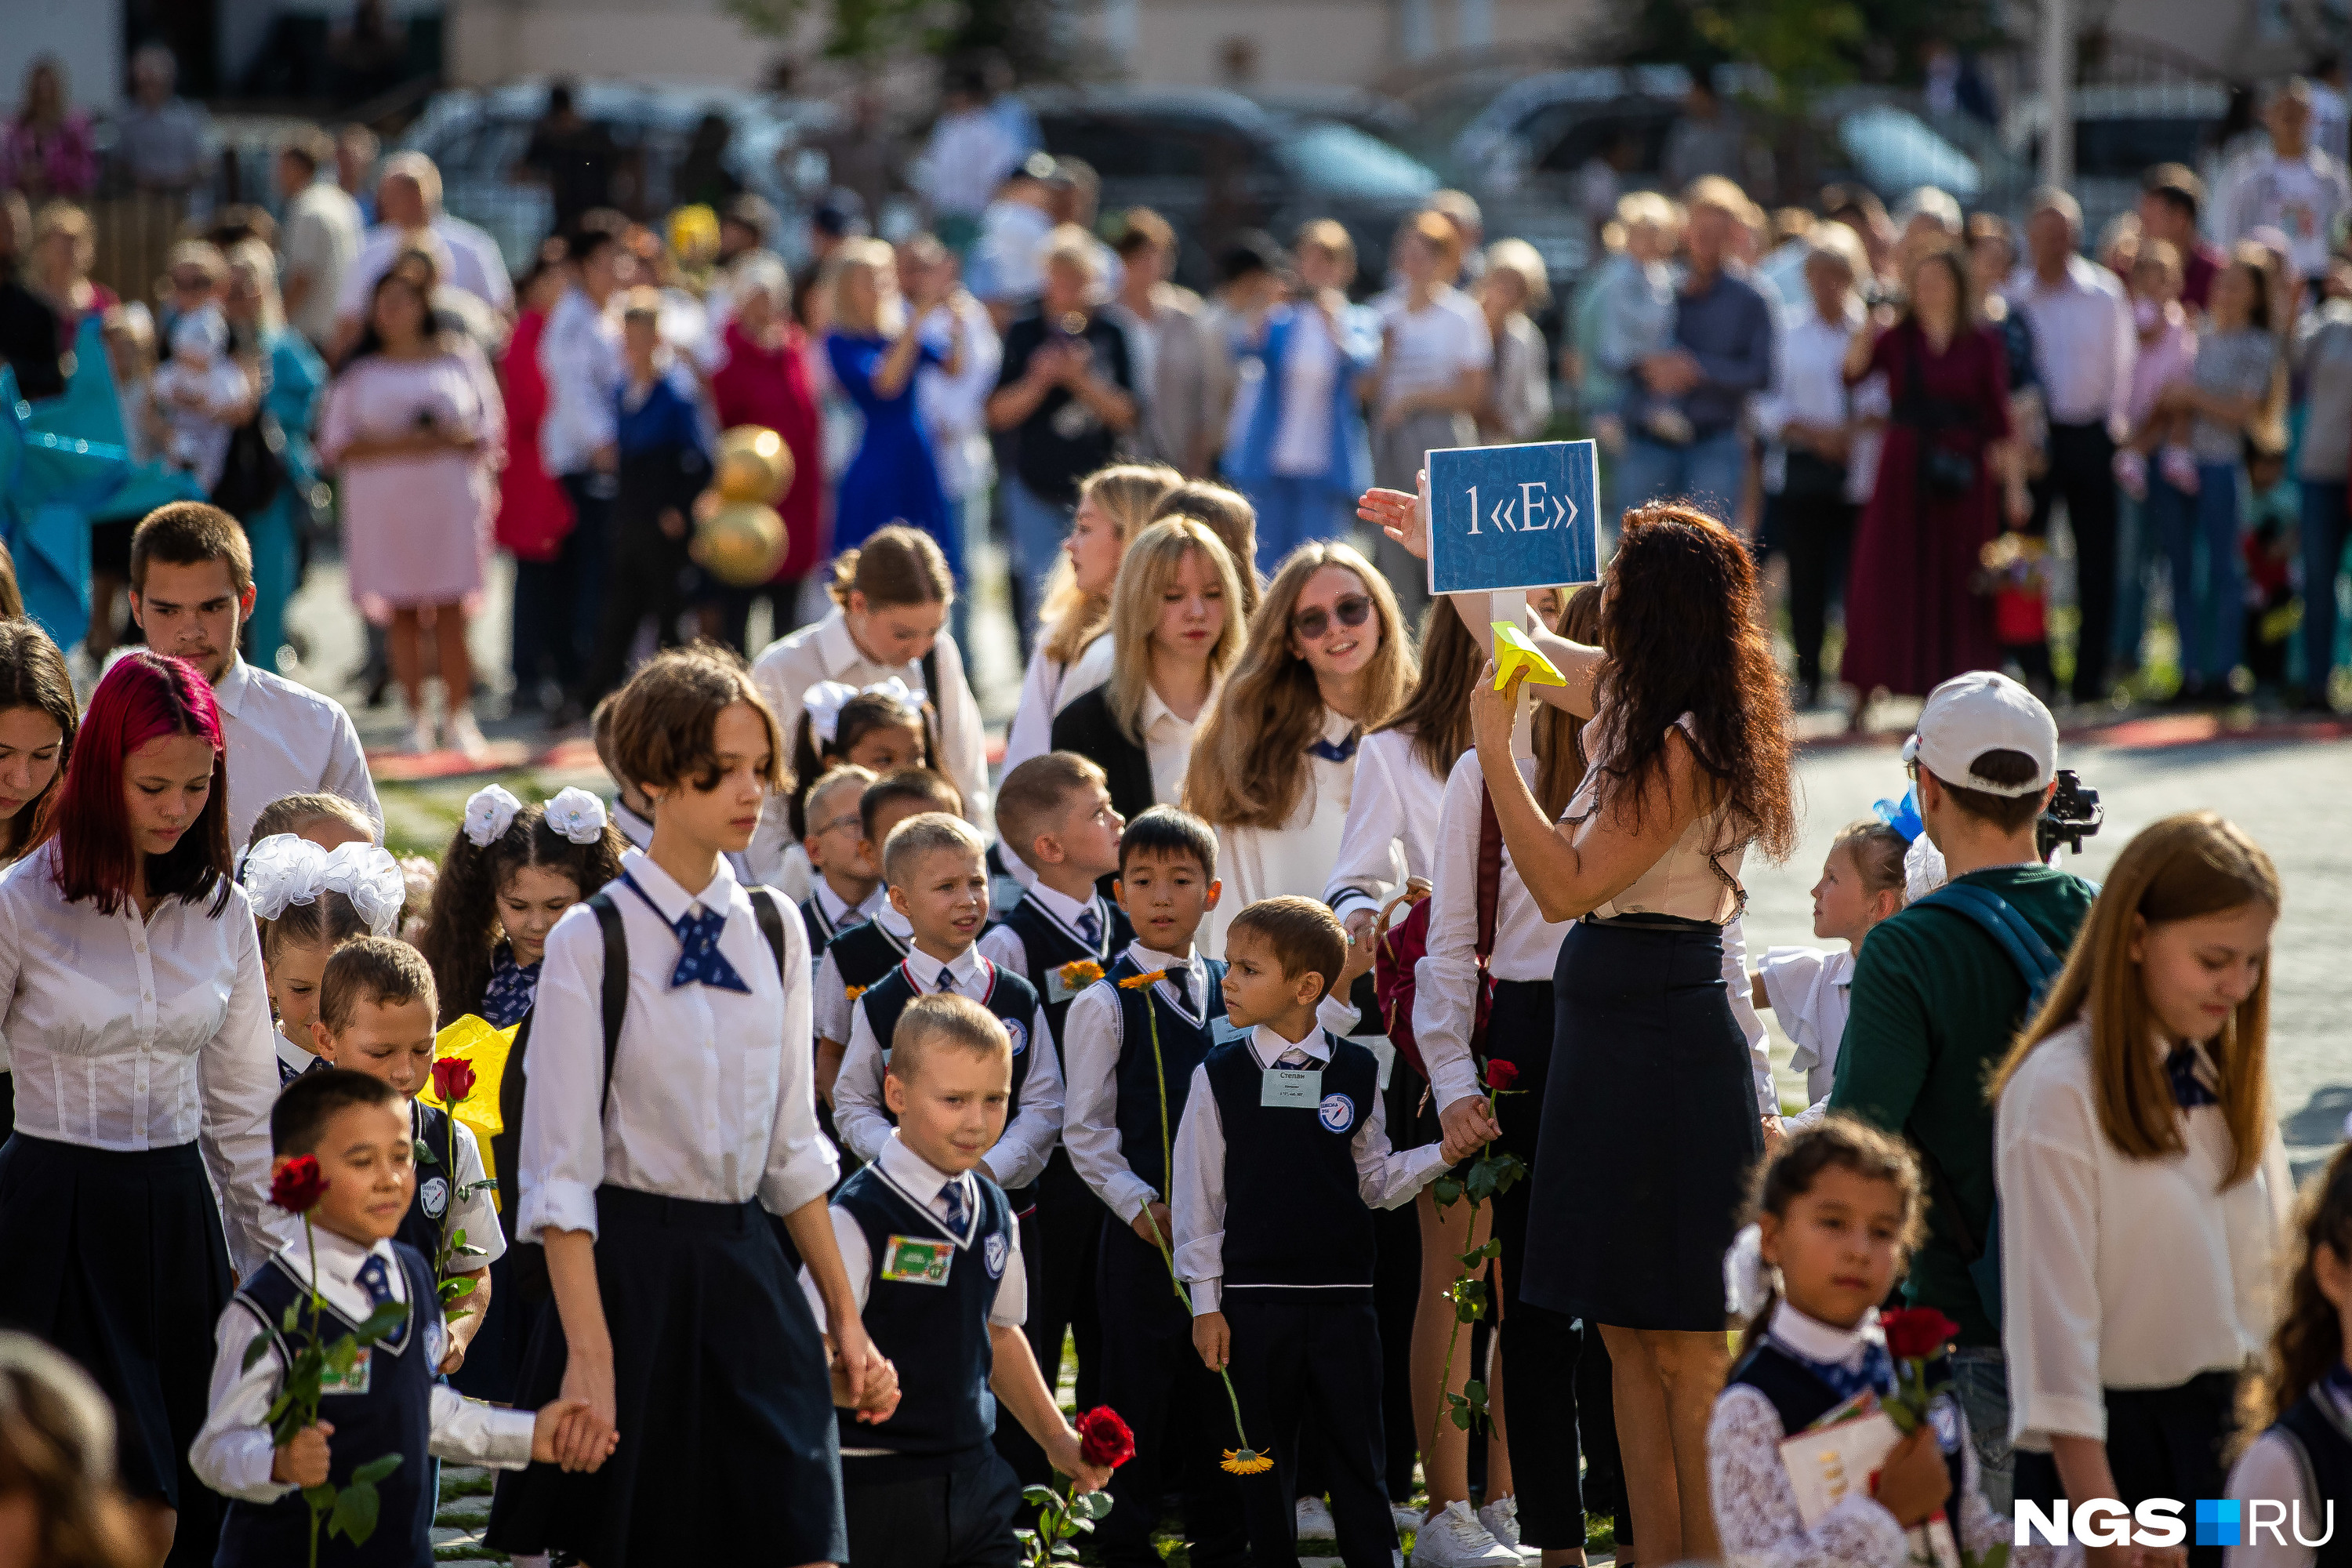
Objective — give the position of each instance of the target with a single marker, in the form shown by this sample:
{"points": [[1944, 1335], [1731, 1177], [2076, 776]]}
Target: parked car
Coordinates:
{"points": [[1214, 163]]}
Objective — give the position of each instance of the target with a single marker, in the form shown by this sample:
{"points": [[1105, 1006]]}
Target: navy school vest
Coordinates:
{"points": [[821, 930], [437, 1182], [393, 1414], [926, 1305], [1183, 1045], [864, 954], [1050, 945], [1802, 1398], [2324, 1443], [1293, 1216], [1009, 997]]}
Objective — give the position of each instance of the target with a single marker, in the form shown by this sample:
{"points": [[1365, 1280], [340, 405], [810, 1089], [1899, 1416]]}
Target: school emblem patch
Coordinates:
{"points": [[1020, 1033], [1338, 1112], [432, 1192], [994, 1255], [1944, 1417]]}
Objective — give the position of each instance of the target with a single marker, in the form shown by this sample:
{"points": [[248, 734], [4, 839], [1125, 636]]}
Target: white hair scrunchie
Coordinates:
{"points": [[577, 815], [1747, 1278], [490, 812], [282, 870], [371, 879]]}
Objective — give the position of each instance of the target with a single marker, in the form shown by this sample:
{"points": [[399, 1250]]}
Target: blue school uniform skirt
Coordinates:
{"points": [[116, 1258], [728, 1452], [1650, 1128]]}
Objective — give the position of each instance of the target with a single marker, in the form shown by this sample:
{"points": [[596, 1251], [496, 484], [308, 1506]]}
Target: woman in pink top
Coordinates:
{"points": [[765, 381], [47, 150], [2167, 350]]}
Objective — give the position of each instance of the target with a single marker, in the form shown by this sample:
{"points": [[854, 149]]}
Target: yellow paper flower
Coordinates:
{"points": [[1138, 983], [1080, 972], [1246, 1462], [852, 993]]}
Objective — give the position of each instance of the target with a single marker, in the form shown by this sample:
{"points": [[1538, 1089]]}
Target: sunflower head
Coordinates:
{"points": [[1246, 1462]]}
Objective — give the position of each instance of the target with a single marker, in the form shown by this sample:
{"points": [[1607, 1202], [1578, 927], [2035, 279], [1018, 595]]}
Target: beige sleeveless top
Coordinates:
{"points": [[1699, 877]]}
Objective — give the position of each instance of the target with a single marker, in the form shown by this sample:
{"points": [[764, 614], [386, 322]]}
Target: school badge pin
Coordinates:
{"points": [[992, 1254], [1338, 1112], [1020, 1033], [432, 1192]]}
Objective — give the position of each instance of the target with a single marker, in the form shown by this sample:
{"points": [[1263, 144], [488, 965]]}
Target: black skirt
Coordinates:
{"points": [[2161, 1442], [116, 1258], [1650, 1129], [728, 1452]]}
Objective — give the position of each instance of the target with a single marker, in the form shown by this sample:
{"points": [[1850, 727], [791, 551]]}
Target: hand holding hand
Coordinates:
{"points": [[1213, 1340], [565, 1430], [879, 1399], [1460, 1141], [303, 1461], [586, 1436], [1467, 1121]]}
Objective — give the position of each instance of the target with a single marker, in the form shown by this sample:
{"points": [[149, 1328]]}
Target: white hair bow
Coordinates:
{"points": [[577, 815], [826, 698], [490, 812], [282, 870], [1747, 1278], [368, 876]]}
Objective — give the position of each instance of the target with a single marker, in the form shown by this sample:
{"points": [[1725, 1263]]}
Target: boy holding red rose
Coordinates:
{"points": [[933, 1257]]}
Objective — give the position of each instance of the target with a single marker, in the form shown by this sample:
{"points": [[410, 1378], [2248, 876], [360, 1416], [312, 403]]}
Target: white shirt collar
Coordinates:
{"points": [[1823, 1342], [967, 968], [638, 830], [1337, 726], [234, 682], [835, 908], [1270, 1047], [293, 1055], [833, 642], [1154, 710], [1065, 909], [911, 1174], [340, 1259], [886, 916], [670, 901], [1147, 959]]}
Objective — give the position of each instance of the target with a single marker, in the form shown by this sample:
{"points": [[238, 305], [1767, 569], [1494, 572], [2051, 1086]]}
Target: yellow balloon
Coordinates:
{"points": [[740, 542], [755, 465]]}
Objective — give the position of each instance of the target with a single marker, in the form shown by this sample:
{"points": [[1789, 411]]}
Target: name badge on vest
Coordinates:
{"points": [[1222, 1030], [1299, 1086], [355, 1381], [917, 1260]]}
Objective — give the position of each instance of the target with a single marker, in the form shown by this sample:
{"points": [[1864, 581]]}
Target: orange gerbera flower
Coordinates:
{"points": [[1246, 1462], [1080, 972], [852, 993], [1138, 982]]}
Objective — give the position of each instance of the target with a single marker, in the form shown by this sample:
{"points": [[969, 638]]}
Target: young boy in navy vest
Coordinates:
{"points": [[937, 869], [1055, 814], [934, 1257], [1124, 1094], [1280, 1159], [376, 1007], [357, 1127], [846, 889], [861, 955]]}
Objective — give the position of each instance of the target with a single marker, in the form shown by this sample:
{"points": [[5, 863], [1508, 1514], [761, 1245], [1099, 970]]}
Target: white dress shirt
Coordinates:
{"points": [[1256, 863], [477, 266], [839, 913], [2273, 1470], [829, 1007], [1391, 823], [711, 1098], [1812, 991], [1091, 1046], [128, 1034], [1807, 381], [292, 1058], [925, 1185], [2084, 341], [1002, 946], [1168, 741], [639, 832], [234, 1454], [319, 238], [863, 1122], [285, 739], [1445, 981], [1385, 1177], [1047, 686], [2122, 1273], [827, 651], [579, 356]]}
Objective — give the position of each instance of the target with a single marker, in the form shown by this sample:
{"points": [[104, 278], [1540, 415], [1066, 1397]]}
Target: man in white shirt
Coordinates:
{"points": [[2292, 185], [2085, 346], [408, 198], [319, 236], [970, 153], [579, 356], [191, 586]]}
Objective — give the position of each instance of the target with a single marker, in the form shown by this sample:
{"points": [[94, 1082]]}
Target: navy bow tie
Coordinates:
{"points": [[700, 962], [1876, 1374], [1331, 752], [1090, 927], [2189, 1090]]}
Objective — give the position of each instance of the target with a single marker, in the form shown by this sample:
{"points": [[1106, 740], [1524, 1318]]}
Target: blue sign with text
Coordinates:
{"points": [[1513, 517]]}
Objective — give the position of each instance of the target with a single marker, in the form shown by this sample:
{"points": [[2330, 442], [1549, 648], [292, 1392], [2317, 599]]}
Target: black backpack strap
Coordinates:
{"points": [[615, 990], [767, 907]]}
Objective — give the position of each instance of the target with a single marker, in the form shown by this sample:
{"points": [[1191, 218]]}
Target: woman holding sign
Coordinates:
{"points": [[1630, 1213]]}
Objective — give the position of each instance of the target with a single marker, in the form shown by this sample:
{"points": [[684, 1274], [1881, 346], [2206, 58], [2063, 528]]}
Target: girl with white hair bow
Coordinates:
{"points": [[310, 903]]}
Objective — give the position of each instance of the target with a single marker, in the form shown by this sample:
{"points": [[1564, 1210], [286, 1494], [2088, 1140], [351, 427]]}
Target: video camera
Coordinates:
{"points": [[2074, 814]]}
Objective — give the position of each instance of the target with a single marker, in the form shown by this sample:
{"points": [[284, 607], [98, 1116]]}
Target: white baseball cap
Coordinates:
{"points": [[1981, 711]]}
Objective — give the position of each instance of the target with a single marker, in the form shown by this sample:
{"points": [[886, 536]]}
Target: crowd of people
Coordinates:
{"points": [[1366, 1078]]}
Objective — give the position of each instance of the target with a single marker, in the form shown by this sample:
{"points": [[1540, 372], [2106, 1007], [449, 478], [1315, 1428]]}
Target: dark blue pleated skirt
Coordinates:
{"points": [[729, 1450], [1650, 1130]]}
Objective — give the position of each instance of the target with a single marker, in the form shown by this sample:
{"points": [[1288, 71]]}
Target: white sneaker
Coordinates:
{"points": [[1455, 1539], [1501, 1518], [421, 742], [465, 736], [1407, 1517], [1315, 1520]]}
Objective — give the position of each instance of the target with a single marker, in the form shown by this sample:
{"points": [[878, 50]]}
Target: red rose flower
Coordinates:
{"points": [[1501, 1075], [452, 1079], [1103, 1439], [297, 1183], [1916, 1333]]}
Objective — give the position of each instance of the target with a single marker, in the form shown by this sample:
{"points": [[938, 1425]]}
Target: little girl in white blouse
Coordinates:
{"points": [[1810, 988]]}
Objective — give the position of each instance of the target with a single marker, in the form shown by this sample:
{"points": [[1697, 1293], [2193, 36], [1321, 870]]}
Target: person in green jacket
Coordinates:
{"points": [[1937, 1002]]}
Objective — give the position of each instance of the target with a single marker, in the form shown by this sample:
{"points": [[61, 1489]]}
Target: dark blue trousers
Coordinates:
{"points": [[1303, 1357]]}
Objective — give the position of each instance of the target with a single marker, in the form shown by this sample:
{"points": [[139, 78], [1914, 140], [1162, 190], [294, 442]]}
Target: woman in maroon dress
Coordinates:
{"points": [[1913, 616]]}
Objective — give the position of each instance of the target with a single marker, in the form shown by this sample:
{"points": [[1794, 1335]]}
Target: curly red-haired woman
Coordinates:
{"points": [[140, 1029]]}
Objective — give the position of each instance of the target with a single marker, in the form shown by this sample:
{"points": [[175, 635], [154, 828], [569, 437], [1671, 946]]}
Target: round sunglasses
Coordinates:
{"points": [[1352, 610]]}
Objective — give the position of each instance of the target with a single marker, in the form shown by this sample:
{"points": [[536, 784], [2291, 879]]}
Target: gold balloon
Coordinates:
{"points": [[740, 542], [755, 465]]}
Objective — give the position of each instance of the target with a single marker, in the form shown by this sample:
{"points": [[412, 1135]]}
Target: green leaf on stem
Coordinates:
{"points": [[1065, 1553], [1093, 1505], [1461, 1416], [355, 1512], [1474, 1393], [255, 1350], [377, 1468], [380, 1322], [425, 1155], [1444, 1192], [321, 1498], [1040, 1497]]}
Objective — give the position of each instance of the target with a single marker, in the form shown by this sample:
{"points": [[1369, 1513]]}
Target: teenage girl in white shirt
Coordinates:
{"points": [[2144, 1188], [39, 716]]}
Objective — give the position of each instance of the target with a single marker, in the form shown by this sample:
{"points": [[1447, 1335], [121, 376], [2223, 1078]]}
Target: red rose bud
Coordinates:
{"points": [[1501, 1075], [1104, 1440], [297, 1183], [452, 1079], [1916, 1333]]}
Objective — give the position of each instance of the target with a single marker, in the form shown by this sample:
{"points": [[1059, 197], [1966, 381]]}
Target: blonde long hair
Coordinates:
{"points": [[2182, 868], [1144, 572], [1249, 757], [1124, 493]]}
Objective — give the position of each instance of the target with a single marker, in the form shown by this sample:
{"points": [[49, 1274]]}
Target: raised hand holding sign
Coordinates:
{"points": [[1506, 518]]}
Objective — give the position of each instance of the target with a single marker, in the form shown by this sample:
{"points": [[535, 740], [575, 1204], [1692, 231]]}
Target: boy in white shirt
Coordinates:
{"points": [[860, 956]]}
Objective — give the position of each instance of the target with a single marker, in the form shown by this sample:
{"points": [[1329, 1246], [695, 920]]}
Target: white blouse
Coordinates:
{"points": [[1256, 863], [129, 1035], [1812, 991], [1047, 686], [2121, 1273], [1391, 824], [711, 1098]]}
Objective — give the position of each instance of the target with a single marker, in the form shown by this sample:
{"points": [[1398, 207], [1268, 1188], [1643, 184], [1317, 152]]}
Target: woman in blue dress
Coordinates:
{"points": [[876, 347], [293, 377]]}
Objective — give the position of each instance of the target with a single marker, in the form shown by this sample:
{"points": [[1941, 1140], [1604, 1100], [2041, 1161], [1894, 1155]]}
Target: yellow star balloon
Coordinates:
{"points": [[1513, 651], [486, 1048]]}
